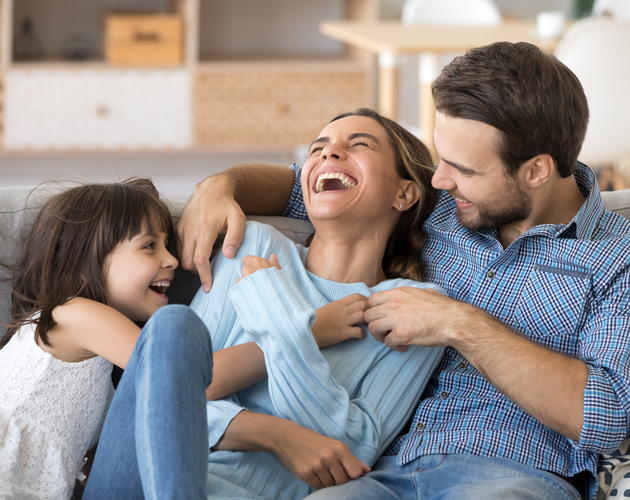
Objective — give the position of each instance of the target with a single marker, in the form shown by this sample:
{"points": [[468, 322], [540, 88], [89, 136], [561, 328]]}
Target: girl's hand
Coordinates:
{"points": [[337, 320], [252, 264]]}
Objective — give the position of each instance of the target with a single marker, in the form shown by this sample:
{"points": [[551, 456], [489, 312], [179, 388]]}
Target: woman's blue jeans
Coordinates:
{"points": [[154, 443]]}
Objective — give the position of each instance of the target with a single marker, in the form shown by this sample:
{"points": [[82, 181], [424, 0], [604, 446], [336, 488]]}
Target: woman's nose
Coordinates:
{"points": [[333, 151]]}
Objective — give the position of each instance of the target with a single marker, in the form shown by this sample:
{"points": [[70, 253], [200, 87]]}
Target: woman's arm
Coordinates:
{"points": [[301, 386], [309, 456]]}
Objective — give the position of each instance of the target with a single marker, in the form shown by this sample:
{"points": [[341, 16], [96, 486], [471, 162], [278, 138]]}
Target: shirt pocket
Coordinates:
{"points": [[552, 301]]}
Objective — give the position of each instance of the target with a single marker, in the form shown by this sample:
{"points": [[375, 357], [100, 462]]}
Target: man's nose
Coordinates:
{"points": [[442, 178]]}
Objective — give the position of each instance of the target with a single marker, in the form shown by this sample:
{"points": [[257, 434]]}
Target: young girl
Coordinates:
{"points": [[94, 263]]}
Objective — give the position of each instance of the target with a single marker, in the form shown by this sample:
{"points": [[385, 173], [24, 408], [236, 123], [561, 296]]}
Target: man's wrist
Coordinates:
{"points": [[221, 184], [466, 327]]}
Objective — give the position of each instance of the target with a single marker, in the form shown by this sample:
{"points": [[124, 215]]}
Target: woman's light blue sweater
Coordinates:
{"points": [[358, 391]]}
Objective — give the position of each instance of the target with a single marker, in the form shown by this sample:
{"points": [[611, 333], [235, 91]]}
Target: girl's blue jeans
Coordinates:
{"points": [[158, 413]]}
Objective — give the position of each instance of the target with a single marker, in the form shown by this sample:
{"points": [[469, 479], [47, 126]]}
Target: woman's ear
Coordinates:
{"points": [[408, 194]]}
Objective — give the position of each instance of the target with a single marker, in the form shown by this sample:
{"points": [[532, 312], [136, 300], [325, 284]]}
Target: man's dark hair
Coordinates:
{"points": [[535, 102]]}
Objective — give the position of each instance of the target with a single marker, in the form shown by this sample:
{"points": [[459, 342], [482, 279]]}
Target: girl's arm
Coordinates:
{"points": [[86, 328], [235, 368], [301, 386]]}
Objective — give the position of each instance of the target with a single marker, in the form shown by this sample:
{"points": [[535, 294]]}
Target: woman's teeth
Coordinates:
{"points": [[345, 180]]}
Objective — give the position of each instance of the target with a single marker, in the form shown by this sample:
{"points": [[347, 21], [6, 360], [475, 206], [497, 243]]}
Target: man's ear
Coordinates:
{"points": [[538, 170], [408, 194]]}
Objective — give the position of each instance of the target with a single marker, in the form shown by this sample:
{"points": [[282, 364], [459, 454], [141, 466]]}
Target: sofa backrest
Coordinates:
{"points": [[19, 207]]}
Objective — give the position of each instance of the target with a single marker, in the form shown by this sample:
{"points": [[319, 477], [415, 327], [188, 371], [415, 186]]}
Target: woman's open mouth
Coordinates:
{"points": [[334, 181]]}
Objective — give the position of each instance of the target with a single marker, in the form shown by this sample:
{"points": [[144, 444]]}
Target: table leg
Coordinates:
{"points": [[388, 84], [429, 70]]}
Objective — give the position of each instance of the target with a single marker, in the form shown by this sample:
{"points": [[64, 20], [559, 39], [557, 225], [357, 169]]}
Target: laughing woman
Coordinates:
{"points": [[367, 191]]}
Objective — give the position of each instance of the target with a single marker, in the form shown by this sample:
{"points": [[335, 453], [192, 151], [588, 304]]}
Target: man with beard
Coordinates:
{"points": [[534, 382]]}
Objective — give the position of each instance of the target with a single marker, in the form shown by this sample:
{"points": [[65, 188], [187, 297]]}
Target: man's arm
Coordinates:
{"points": [[309, 456], [547, 385], [219, 204]]}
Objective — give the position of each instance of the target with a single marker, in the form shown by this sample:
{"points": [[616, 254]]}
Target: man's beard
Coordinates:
{"points": [[513, 206]]}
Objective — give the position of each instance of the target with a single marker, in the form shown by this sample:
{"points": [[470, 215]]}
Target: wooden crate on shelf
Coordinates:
{"points": [[270, 107], [144, 39]]}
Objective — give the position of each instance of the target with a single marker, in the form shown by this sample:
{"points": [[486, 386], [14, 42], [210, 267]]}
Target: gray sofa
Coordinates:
{"points": [[19, 206]]}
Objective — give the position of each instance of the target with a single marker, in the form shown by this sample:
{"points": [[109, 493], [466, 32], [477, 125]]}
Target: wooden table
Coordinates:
{"points": [[388, 39]]}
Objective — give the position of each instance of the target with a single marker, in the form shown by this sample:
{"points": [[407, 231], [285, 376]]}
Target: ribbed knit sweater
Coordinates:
{"points": [[358, 391]]}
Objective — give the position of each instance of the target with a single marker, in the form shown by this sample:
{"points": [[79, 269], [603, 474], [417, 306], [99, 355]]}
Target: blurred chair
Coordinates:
{"points": [[617, 9], [598, 52], [451, 12], [438, 12]]}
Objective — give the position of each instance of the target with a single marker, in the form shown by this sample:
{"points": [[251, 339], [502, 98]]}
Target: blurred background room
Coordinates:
{"points": [[99, 90]]}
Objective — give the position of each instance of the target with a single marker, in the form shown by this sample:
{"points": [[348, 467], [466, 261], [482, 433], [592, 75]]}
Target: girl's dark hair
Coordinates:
{"points": [[413, 159], [71, 237]]}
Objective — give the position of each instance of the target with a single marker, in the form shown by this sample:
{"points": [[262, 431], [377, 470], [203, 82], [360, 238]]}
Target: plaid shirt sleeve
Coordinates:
{"points": [[295, 207], [605, 340]]}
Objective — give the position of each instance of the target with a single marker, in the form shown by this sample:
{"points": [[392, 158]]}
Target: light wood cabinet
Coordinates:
{"points": [[241, 85], [101, 109]]}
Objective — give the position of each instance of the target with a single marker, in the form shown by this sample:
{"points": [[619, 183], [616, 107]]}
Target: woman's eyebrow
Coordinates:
{"points": [[321, 139], [367, 136]]}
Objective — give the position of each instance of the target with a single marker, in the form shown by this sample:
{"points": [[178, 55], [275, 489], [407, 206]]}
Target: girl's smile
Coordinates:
{"points": [[137, 274]]}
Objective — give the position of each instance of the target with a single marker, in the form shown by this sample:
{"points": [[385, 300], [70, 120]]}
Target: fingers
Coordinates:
{"points": [[354, 298], [201, 258], [353, 466], [251, 264], [338, 473], [273, 260], [325, 477], [355, 332], [234, 236]]}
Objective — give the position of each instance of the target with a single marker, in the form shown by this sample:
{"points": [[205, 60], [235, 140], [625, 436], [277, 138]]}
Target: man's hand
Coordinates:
{"points": [[210, 211], [317, 460], [409, 316], [337, 321], [251, 264]]}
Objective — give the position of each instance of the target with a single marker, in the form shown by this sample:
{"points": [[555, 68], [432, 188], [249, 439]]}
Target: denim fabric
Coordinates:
{"points": [[158, 414], [456, 477]]}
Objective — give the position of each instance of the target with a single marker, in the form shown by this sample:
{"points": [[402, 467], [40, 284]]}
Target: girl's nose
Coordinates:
{"points": [[169, 261]]}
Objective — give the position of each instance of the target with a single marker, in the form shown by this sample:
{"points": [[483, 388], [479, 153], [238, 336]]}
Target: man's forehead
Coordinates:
{"points": [[466, 143]]}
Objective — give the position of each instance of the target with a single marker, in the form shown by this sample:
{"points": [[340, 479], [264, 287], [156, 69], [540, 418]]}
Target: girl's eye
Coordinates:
{"points": [[150, 246]]}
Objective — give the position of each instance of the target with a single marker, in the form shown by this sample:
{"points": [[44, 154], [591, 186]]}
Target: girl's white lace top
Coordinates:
{"points": [[51, 413]]}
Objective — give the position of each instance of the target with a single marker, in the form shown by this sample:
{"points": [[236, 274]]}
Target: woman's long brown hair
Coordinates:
{"points": [[413, 159], [67, 246]]}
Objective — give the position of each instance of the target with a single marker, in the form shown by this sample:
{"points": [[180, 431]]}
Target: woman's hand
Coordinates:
{"points": [[252, 264], [317, 460], [336, 321]]}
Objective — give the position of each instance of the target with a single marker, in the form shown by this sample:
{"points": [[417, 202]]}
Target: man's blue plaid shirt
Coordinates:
{"points": [[565, 287]]}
